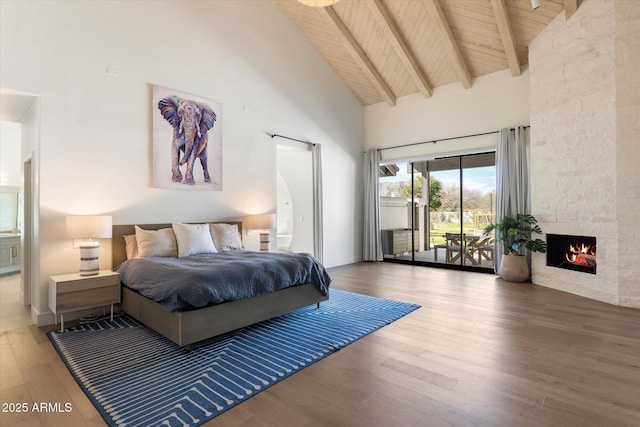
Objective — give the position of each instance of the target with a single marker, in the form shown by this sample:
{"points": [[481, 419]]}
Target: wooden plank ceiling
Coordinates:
{"points": [[385, 49]]}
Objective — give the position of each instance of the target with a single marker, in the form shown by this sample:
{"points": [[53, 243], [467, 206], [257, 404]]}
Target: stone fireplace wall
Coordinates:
{"points": [[585, 144]]}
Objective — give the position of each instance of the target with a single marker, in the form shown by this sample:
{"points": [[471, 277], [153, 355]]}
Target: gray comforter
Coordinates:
{"points": [[202, 280]]}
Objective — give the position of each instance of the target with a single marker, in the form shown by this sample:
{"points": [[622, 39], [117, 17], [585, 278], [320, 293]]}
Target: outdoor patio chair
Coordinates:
{"points": [[437, 246], [454, 245], [484, 248]]}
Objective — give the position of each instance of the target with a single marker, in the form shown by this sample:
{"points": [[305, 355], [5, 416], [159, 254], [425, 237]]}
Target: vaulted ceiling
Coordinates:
{"points": [[386, 49]]}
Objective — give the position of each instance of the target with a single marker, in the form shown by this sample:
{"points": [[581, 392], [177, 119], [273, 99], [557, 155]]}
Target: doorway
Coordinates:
{"points": [[433, 212], [23, 110], [295, 197], [14, 301]]}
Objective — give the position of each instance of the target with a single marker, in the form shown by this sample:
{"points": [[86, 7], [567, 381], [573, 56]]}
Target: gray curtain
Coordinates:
{"points": [[372, 244], [512, 179], [317, 201]]}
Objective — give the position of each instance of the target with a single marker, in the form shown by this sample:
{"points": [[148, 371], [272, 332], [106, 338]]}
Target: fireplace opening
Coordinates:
{"points": [[576, 253]]}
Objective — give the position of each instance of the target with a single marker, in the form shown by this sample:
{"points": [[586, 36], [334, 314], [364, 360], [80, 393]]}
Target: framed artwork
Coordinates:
{"points": [[187, 141]]}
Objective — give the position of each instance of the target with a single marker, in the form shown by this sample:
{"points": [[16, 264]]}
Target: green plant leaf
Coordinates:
{"points": [[515, 233]]}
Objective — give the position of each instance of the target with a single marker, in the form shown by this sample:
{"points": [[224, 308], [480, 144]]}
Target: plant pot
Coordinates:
{"points": [[514, 268]]}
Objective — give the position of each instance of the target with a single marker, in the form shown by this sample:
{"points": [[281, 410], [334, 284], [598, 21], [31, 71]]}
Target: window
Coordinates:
{"points": [[434, 211]]}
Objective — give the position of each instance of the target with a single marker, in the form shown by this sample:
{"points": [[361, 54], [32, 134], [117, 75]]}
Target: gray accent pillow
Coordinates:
{"points": [[156, 242], [226, 237]]}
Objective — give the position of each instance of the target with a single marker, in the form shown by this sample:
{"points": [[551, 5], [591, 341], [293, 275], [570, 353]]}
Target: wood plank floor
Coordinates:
{"points": [[13, 313], [480, 351]]}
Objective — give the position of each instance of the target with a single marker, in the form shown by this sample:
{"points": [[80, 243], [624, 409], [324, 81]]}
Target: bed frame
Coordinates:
{"points": [[187, 327]]}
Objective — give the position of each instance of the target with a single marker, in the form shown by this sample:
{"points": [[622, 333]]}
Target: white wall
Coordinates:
{"points": [[10, 140], [494, 101], [95, 139]]}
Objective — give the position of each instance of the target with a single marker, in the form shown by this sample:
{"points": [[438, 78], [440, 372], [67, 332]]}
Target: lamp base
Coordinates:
{"points": [[89, 264], [265, 241]]}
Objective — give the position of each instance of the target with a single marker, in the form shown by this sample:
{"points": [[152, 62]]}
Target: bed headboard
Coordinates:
{"points": [[119, 254]]}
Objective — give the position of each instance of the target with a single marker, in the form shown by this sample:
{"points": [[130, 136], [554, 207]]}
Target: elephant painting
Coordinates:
{"points": [[191, 121]]}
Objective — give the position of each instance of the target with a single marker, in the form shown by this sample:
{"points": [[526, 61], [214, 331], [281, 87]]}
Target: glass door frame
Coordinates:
{"points": [[412, 223]]}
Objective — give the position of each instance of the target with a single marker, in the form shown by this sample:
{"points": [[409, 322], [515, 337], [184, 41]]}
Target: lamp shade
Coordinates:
{"points": [[262, 222], [89, 227]]}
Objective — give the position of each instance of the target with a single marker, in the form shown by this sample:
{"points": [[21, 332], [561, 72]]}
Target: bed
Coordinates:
{"points": [[185, 327]]}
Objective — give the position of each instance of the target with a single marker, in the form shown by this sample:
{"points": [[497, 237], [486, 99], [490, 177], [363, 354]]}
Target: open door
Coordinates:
{"points": [[295, 198], [27, 229]]}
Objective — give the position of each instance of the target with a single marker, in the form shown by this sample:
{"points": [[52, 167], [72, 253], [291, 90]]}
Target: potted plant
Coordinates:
{"points": [[516, 234]]}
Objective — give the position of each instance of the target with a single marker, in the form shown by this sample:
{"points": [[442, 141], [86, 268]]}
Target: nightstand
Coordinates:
{"points": [[73, 292]]}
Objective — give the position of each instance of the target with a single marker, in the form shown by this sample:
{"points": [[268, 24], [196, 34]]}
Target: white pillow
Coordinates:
{"points": [[193, 239], [131, 246], [226, 237], [156, 243]]}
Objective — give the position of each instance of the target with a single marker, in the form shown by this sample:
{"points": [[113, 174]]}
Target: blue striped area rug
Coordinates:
{"points": [[136, 377]]}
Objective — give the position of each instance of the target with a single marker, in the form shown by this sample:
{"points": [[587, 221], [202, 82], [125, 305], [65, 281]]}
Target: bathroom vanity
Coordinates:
{"points": [[9, 252]]}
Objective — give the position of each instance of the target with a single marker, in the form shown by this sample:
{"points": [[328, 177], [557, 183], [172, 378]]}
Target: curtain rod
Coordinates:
{"points": [[444, 139], [275, 135]]}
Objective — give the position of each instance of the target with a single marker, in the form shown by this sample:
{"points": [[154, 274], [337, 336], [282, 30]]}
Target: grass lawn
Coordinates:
{"points": [[440, 228]]}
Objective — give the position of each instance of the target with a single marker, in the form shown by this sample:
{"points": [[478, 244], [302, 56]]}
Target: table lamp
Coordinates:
{"points": [[87, 228], [264, 223]]}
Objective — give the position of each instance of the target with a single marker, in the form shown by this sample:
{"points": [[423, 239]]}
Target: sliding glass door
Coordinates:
{"points": [[433, 212], [445, 221], [479, 183], [400, 198]]}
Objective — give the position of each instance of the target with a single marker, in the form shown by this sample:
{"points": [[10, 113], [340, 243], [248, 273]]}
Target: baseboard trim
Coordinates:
{"points": [[42, 319]]}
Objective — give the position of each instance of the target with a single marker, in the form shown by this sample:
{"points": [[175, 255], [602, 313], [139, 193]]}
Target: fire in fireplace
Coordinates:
{"points": [[576, 253]]}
